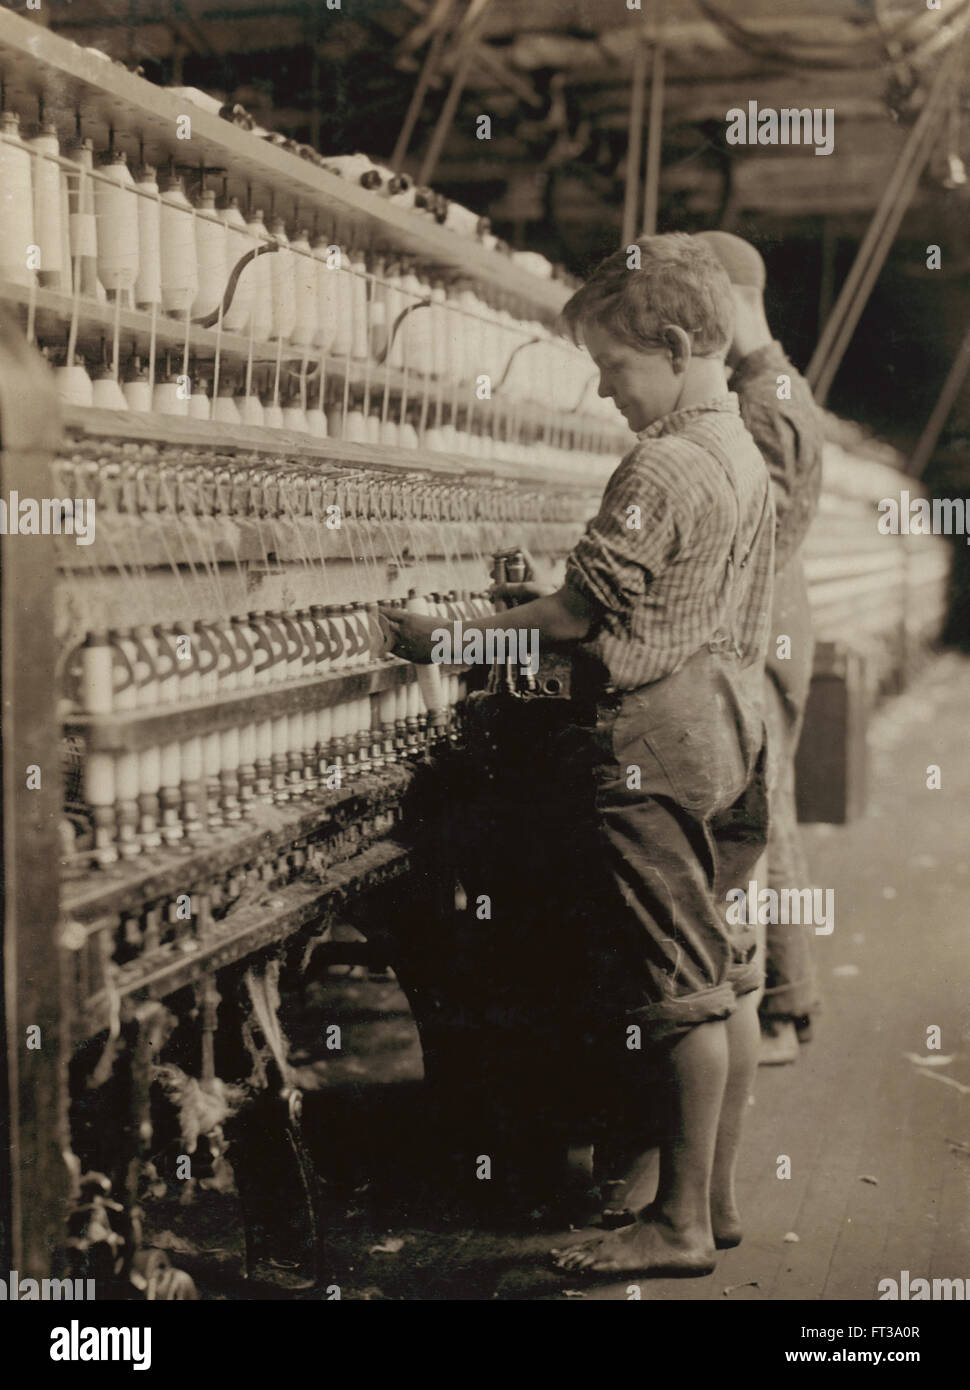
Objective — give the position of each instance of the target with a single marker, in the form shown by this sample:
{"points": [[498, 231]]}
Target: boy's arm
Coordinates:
{"points": [[564, 616], [632, 539], [789, 438]]}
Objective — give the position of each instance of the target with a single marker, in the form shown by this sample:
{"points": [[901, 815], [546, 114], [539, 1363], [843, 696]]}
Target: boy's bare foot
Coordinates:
{"points": [[649, 1247], [725, 1223]]}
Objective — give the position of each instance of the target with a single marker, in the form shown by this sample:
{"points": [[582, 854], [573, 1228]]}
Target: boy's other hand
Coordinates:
{"points": [[408, 635], [519, 593]]}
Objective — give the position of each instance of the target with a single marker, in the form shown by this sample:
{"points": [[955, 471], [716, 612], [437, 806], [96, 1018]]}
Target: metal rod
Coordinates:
{"points": [[883, 214], [955, 378], [651, 178], [634, 144], [854, 309], [417, 98], [440, 132]]}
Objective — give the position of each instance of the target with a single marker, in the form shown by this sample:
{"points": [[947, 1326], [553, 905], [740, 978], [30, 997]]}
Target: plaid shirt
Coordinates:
{"points": [[789, 435], [668, 585]]}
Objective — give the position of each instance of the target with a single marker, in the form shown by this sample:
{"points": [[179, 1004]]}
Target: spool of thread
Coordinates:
{"points": [[261, 307], [272, 414], [169, 399], [358, 306], [439, 337], [417, 326], [250, 410], [395, 304], [67, 277], [84, 235], [306, 318], [295, 418], [237, 244], [136, 390], [323, 667], [246, 638], [401, 706], [116, 209], [180, 269], [283, 283], [126, 764], [355, 426], [200, 406], [377, 311], [341, 284], [328, 297], [211, 239], [335, 421], [429, 677], [317, 423], [170, 758], [74, 386], [453, 329], [224, 407], [16, 204], [97, 678], [148, 285], [149, 759], [471, 331], [49, 225], [106, 392]]}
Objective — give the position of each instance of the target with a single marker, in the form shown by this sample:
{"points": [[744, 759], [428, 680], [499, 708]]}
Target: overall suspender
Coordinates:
{"points": [[722, 638]]}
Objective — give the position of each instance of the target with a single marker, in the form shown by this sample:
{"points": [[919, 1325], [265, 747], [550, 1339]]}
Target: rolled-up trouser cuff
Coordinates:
{"points": [[671, 1017]]}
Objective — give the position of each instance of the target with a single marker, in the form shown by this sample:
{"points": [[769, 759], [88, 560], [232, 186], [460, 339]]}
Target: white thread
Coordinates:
{"points": [[211, 239], [148, 284], [48, 217], [16, 203], [116, 210], [180, 271]]}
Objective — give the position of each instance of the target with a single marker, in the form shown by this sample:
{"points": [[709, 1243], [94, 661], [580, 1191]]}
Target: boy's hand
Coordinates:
{"points": [[408, 635], [519, 593]]}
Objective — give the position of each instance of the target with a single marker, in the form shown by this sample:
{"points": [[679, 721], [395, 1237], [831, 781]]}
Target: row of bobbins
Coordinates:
{"points": [[178, 790]]}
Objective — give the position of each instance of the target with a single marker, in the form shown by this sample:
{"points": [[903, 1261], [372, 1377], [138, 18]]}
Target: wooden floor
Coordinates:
{"points": [[857, 1105]]}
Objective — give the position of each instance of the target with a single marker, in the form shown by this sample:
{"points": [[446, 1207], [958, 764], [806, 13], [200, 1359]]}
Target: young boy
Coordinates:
{"points": [[666, 598], [777, 407]]}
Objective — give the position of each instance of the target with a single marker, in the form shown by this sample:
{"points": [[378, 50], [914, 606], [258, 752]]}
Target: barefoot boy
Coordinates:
{"points": [[666, 599]]}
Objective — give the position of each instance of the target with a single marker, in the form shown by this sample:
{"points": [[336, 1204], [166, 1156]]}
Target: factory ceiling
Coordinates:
{"points": [[555, 79]]}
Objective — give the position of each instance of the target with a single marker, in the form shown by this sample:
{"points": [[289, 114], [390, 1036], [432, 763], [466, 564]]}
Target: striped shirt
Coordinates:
{"points": [[789, 434], [682, 549]]}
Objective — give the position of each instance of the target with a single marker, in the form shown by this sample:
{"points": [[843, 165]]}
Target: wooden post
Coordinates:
{"points": [[440, 132], [428, 71], [33, 1175], [852, 298], [651, 178], [634, 144]]}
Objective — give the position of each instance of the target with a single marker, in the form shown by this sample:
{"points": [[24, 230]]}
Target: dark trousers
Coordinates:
{"points": [[601, 842]]}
